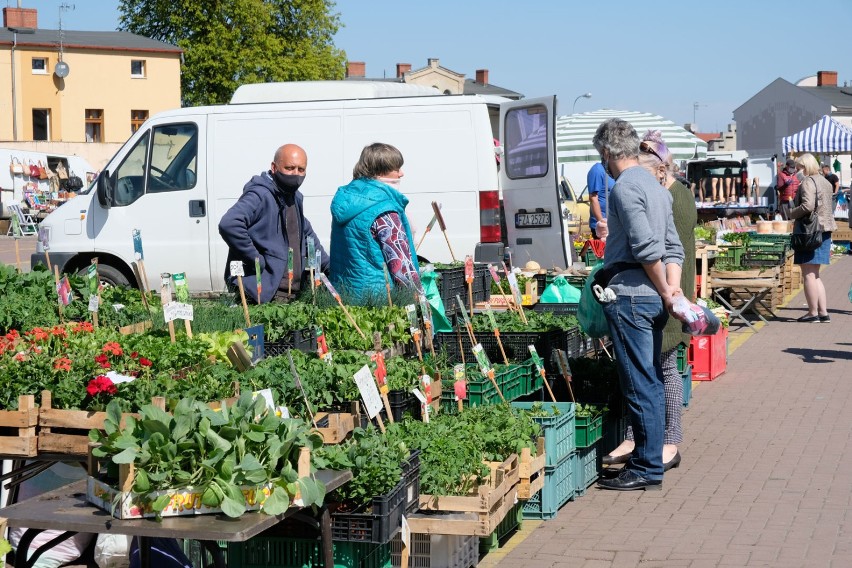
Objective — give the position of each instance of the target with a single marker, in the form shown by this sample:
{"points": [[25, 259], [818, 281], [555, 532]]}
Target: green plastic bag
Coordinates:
{"points": [[429, 279], [560, 292], [590, 313]]}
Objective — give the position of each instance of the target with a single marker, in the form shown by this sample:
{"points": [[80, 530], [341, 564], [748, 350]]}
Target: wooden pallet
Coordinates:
{"points": [[479, 514], [340, 424], [18, 435]]}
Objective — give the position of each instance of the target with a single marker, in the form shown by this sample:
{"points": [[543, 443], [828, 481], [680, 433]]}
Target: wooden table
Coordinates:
{"points": [[66, 509], [703, 253]]}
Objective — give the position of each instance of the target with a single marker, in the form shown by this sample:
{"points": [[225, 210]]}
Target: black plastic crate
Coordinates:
{"points": [[451, 283], [559, 309], [598, 388], [384, 519], [763, 258], [300, 340], [571, 342], [402, 402], [516, 345]]}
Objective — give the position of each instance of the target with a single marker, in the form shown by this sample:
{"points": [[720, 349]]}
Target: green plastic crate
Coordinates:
{"points": [[558, 430], [586, 468], [732, 254], [687, 385], [514, 520], [681, 358], [590, 258], [589, 430], [283, 552], [558, 489], [514, 380]]}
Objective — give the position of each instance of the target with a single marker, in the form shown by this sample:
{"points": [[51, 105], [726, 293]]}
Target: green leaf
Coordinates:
{"points": [[161, 502], [278, 501], [232, 507], [140, 482], [210, 497], [157, 427], [250, 463], [127, 456], [217, 441]]}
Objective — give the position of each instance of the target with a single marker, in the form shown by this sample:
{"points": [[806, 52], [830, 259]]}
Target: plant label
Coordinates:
{"points": [[181, 287], [405, 533], [368, 390], [44, 238], [418, 395], [539, 364], [468, 269], [459, 386], [425, 312], [16, 227], [330, 287], [237, 268], [283, 412], [381, 370], [312, 259], [177, 310], [257, 276], [413, 324], [494, 276], [137, 245], [491, 319], [92, 275], [94, 303], [265, 394], [513, 285], [463, 310], [322, 346], [426, 383], [117, 379], [482, 359], [290, 261], [318, 258], [63, 290]]}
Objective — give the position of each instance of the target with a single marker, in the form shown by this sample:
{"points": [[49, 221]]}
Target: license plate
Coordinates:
{"points": [[532, 220]]}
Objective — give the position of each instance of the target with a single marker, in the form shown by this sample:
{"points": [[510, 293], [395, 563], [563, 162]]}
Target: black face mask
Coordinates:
{"points": [[287, 184]]}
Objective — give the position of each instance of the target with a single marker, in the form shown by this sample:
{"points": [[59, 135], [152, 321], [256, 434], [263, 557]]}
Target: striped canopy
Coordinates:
{"points": [[574, 135], [825, 137]]}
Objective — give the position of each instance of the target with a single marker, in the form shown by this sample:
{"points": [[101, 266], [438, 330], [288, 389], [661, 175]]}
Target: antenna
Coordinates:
{"points": [[64, 7], [695, 106]]}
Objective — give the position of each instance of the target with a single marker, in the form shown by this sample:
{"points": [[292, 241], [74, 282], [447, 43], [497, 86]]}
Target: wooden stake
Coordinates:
{"points": [[496, 386], [562, 360], [470, 296], [47, 258], [380, 422], [165, 297], [500, 343], [443, 226], [349, 317], [547, 386], [145, 280], [243, 300], [387, 285], [138, 275]]}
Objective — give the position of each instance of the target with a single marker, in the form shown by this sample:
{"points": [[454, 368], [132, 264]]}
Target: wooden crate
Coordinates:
{"points": [[340, 424], [65, 431], [18, 435], [479, 514]]}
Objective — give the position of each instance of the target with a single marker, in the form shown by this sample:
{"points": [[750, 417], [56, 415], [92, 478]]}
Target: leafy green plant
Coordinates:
{"points": [[215, 452], [537, 321]]}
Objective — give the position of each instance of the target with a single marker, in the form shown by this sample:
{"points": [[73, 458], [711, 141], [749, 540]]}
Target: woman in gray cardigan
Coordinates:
{"points": [[814, 189]]}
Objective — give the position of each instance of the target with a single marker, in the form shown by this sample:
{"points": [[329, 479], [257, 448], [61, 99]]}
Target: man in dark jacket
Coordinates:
{"points": [[265, 222]]}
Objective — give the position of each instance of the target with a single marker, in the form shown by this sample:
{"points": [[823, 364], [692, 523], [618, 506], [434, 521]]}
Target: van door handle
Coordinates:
{"points": [[197, 208]]}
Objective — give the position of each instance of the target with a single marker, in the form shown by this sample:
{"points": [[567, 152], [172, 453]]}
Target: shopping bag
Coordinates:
{"points": [[560, 292], [16, 167], [590, 313], [429, 279]]}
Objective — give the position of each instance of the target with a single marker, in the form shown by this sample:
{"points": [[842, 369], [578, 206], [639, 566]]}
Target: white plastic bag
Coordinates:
{"points": [[64, 552], [112, 551]]}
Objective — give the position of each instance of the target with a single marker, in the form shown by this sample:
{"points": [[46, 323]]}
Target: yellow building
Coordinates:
{"points": [[95, 87]]}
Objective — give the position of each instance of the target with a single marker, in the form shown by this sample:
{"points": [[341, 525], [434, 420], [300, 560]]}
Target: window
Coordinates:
{"points": [[41, 124], [39, 65], [130, 175], [137, 118], [94, 125], [137, 68], [525, 146], [174, 155]]}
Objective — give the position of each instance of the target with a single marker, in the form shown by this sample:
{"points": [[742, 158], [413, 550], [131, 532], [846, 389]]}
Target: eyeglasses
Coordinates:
{"points": [[645, 146]]}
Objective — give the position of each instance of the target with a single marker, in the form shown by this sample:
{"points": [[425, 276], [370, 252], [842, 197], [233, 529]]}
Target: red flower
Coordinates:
{"points": [[145, 362], [112, 347], [21, 357], [62, 364], [101, 384], [81, 327], [102, 360], [38, 334], [134, 355], [59, 331]]}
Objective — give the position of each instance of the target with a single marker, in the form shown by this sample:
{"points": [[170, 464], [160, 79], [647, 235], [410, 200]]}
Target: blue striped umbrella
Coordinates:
{"points": [[825, 137]]}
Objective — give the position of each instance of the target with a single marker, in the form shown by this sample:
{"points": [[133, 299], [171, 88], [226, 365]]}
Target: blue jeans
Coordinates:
{"points": [[636, 326]]}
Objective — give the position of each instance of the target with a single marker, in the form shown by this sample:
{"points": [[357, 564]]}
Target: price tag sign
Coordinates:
{"points": [[468, 269], [94, 303], [513, 284], [312, 258], [482, 359], [137, 245], [493, 271], [368, 390], [411, 312], [237, 268], [181, 287], [539, 364], [177, 310], [328, 285]]}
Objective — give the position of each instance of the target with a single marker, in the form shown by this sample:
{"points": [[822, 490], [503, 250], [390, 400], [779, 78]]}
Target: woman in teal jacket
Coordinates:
{"points": [[369, 229]]}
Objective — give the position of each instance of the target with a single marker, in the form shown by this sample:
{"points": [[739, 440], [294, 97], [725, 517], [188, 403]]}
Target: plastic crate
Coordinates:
{"points": [[515, 344], [402, 403], [732, 254], [284, 552], [708, 355], [301, 340], [589, 430], [451, 283], [558, 489], [558, 429], [571, 341], [437, 551], [586, 468], [384, 518], [687, 385], [514, 380], [614, 427], [512, 521], [590, 258], [681, 358], [198, 555], [764, 258]]}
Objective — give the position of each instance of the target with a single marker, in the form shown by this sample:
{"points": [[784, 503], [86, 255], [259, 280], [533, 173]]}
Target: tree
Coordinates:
{"points": [[228, 43]]}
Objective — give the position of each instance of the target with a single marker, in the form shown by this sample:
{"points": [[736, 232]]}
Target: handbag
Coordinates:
{"points": [[42, 171], [61, 171], [16, 167], [807, 232], [73, 182], [590, 312], [33, 169]]}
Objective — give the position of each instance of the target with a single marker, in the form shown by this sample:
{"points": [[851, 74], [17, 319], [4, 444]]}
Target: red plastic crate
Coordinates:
{"points": [[708, 355]]}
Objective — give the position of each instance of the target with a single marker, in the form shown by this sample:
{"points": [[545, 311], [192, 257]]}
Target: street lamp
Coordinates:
{"points": [[583, 96]]}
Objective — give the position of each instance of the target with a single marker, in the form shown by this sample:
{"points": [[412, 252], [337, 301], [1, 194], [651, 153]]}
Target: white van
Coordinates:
{"points": [[183, 169]]}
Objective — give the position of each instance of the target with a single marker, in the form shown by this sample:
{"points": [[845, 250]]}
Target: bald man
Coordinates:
{"points": [[266, 220]]}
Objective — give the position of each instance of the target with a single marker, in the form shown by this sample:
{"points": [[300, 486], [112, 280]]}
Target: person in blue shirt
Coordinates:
{"points": [[599, 184]]}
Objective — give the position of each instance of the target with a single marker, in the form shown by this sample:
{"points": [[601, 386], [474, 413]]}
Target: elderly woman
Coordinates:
{"points": [[656, 158], [814, 193], [369, 229]]}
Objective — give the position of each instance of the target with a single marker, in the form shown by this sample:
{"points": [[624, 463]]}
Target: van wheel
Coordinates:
{"points": [[108, 275]]}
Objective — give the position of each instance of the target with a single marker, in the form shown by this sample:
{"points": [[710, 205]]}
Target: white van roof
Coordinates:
{"points": [[326, 91]]}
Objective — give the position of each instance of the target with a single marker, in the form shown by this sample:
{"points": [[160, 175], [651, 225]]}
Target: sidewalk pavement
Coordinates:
{"points": [[26, 246], [766, 477]]}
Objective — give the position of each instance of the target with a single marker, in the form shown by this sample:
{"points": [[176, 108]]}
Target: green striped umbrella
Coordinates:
{"points": [[574, 135]]}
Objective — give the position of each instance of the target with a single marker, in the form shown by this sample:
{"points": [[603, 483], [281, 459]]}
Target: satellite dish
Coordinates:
{"points": [[61, 70]]}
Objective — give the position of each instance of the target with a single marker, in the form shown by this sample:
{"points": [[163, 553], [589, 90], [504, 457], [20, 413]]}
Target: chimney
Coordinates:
{"points": [[482, 76], [402, 69], [356, 69], [826, 78], [20, 18]]}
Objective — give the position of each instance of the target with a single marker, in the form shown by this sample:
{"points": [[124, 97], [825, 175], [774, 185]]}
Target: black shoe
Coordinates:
{"points": [[809, 319], [614, 460], [825, 319], [672, 463], [629, 480]]}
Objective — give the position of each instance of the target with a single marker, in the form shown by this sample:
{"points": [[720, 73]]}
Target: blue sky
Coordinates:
{"points": [[659, 57]]}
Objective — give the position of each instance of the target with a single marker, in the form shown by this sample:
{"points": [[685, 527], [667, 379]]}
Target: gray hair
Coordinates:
{"points": [[618, 137], [376, 160]]}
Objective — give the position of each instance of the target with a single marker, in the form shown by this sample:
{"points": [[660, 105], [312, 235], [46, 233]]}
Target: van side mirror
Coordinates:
{"points": [[104, 190]]}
